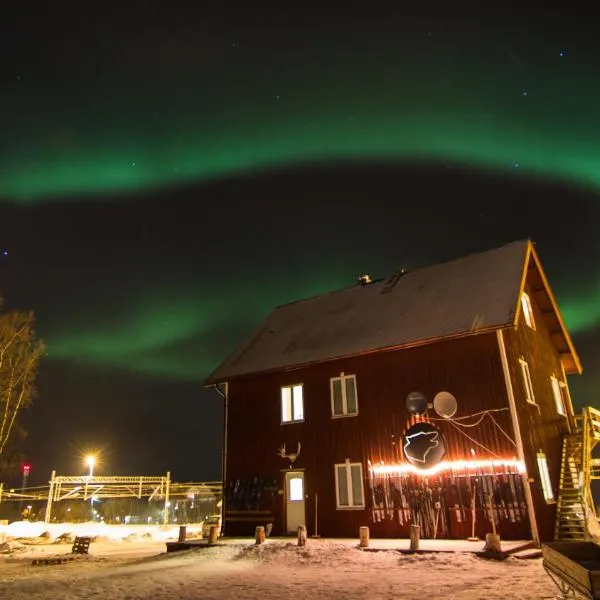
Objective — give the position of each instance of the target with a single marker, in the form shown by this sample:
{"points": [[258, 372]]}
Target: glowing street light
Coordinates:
{"points": [[90, 461]]}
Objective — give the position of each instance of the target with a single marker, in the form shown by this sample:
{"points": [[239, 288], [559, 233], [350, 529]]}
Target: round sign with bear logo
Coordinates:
{"points": [[423, 445]]}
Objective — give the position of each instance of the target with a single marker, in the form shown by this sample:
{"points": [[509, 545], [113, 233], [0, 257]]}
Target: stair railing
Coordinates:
{"points": [[591, 435]]}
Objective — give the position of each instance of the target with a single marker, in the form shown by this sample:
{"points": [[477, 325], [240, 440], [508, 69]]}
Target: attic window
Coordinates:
{"points": [[527, 310], [527, 383]]}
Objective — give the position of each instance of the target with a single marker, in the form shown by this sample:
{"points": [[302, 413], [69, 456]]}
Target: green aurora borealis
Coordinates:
{"points": [[179, 336], [483, 142], [198, 107], [188, 108]]}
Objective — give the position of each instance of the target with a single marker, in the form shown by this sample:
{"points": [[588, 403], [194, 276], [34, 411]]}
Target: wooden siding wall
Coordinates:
{"points": [[542, 428], [469, 368]]}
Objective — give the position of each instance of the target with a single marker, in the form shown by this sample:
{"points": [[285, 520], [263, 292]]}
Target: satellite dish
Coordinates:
{"points": [[416, 404], [445, 404]]}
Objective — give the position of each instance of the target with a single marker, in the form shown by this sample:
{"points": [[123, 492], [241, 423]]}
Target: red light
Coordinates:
{"points": [[26, 469]]}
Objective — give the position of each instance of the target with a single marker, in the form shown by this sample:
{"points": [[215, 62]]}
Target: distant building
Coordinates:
{"points": [[427, 397]]}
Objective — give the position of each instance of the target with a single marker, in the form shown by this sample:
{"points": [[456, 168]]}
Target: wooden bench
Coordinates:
{"points": [[81, 545]]}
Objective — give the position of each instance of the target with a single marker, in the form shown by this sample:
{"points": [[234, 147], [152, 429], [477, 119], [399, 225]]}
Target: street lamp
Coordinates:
{"points": [[90, 462], [26, 471]]}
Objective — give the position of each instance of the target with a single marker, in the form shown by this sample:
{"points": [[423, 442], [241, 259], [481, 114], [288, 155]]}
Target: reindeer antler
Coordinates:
{"points": [[292, 456]]}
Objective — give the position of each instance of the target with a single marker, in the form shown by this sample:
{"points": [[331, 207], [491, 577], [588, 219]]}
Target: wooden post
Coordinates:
{"points": [[301, 535], [492, 516], [316, 534], [182, 533], [415, 531], [363, 537], [213, 534], [259, 536]]}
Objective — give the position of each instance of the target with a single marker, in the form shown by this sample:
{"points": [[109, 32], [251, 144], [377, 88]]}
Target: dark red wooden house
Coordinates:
{"points": [[437, 397]]}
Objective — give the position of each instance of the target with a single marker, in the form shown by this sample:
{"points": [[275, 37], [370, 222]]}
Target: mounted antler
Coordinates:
{"points": [[292, 456]]}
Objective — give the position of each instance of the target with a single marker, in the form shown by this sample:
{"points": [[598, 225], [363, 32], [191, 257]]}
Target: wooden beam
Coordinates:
{"points": [[532, 254]]}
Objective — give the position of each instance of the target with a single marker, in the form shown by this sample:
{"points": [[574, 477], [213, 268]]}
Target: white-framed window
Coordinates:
{"points": [[344, 402], [349, 485], [545, 477], [529, 395], [558, 396], [527, 310], [292, 404]]}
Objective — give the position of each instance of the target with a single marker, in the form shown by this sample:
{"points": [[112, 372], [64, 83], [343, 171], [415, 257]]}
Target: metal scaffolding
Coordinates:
{"points": [[94, 487]]}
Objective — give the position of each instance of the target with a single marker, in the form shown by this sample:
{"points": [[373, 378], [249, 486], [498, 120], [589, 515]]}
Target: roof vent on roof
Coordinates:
{"points": [[365, 279], [393, 280]]}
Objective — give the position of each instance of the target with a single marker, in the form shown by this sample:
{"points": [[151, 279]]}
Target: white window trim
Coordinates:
{"points": [[526, 374], [546, 483], [527, 309], [291, 386], [342, 379], [348, 466], [561, 409]]}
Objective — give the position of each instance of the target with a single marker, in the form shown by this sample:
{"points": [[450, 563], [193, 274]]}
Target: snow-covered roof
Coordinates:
{"points": [[466, 296]]}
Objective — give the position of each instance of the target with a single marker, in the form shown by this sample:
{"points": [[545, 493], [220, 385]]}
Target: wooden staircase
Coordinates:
{"points": [[575, 503]]}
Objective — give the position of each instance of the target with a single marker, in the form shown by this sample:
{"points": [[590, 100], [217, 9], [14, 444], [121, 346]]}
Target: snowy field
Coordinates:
{"points": [[136, 567]]}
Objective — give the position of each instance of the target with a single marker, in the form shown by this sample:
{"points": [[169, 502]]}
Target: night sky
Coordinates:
{"points": [[168, 175]]}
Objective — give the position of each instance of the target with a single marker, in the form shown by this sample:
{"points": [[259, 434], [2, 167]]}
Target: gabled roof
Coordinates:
{"points": [[462, 297]]}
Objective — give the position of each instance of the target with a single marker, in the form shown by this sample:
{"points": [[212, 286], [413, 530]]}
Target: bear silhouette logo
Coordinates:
{"points": [[418, 445]]}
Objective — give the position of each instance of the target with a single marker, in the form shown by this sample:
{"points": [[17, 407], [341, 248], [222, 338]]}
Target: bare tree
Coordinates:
{"points": [[20, 354]]}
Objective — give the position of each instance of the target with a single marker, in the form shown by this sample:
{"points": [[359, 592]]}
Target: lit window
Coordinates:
{"points": [[296, 491], [343, 396], [292, 404], [558, 398], [529, 395], [545, 477], [527, 310], [349, 488]]}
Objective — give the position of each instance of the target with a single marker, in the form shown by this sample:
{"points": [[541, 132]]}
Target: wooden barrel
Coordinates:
{"points": [[415, 534], [492, 543], [363, 536], [182, 533], [259, 536], [213, 534], [301, 535]]}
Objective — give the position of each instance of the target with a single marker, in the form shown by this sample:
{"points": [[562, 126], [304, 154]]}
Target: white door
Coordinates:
{"points": [[294, 500]]}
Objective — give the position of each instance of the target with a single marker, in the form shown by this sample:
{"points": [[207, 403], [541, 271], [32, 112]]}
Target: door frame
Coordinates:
{"points": [[285, 473]]}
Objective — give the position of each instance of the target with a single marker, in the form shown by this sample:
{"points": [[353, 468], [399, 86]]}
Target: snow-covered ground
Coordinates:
{"points": [[137, 568], [52, 531]]}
